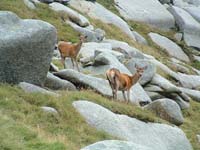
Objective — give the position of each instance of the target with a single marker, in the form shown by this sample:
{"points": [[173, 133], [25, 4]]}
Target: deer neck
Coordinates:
{"points": [[135, 78], [78, 46]]}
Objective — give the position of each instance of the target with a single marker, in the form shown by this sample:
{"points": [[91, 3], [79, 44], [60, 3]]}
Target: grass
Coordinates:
{"points": [[25, 126], [110, 5], [43, 12], [191, 125]]}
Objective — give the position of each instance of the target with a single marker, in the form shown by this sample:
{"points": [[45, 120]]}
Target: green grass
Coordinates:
{"points": [[191, 125], [25, 126], [65, 32]]}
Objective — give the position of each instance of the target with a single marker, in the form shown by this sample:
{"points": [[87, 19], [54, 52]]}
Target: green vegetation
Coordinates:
{"points": [[25, 126], [191, 125], [43, 12]]}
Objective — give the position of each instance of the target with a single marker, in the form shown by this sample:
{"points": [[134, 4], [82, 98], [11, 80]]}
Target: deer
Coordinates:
{"points": [[70, 50], [123, 82]]}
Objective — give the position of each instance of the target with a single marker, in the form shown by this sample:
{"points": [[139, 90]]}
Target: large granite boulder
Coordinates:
{"points": [[31, 88], [194, 12], [189, 81], [91, 34], [26, 49], [153, 135], [73, 15], [169, 46], [148, 11], [194, 94], [55, 83], [188, 25], [115, 145], [124, 48], [97, 11], [167, 109], [137, 93], [149, 72]]}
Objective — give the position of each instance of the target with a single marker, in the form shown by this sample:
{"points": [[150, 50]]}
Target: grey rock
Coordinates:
{"points": [[56, 83], [102, 86], [124, 48], [165, 1], [73, 15], [164, 68], [156, 136], [198, 138], [29, 4], [46, 1], [167, 109], [26, 49], [189, 81], [180, 3], [148, 73], [88, 49], [188, 25], [105, 58], [166, 85], [180, 67], [30, 88], [53, 68], [153, 88], [178, 36], [49, 109], [194, 12], [197, 58], [169, 46], [154, 95], [97, 11], [139, 38], [194, 94], [115, 145], [92, 36], [150, 12], [179, 100]]}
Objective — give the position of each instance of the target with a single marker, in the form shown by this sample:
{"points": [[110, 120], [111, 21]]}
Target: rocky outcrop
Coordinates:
{"points": [[92, 35], [97, 11], [167, 109], [152, 135], [150, 12], [30, 88], [115, 145], [149, 72], [169, 46], [73, 15], [137, 93], [26, 49], [189, 81], [56, 83], [124, 48], [188, 25]]}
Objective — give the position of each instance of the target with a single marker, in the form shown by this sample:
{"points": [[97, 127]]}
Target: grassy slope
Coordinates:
{"points": [[25, 126]]}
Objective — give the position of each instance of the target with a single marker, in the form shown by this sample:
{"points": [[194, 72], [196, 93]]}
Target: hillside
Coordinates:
{"points": [[168, 90]]}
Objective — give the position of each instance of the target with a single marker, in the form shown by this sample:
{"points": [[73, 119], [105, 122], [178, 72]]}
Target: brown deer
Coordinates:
{"points": [[123, 82], [70, 50]]}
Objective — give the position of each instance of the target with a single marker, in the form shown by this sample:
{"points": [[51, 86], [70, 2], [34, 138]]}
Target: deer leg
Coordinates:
{"points": [[63, 61], [128, 95], [123, 92], [116, 89], [72, 62], [77, 65]]}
